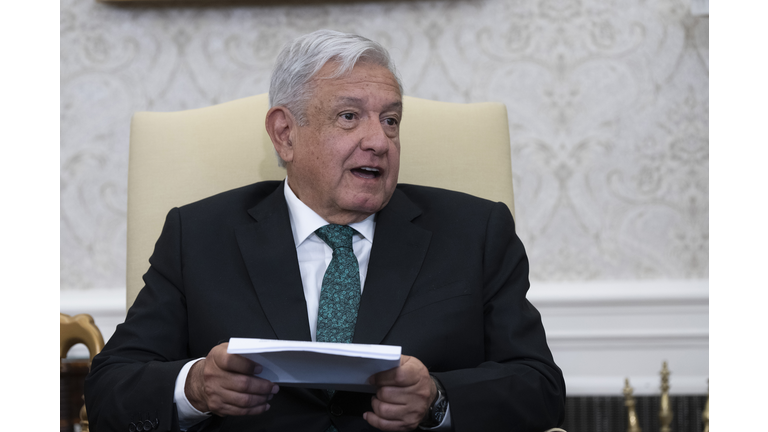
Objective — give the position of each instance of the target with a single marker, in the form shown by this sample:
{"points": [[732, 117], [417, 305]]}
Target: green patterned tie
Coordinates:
{"points": [[340, 294]]}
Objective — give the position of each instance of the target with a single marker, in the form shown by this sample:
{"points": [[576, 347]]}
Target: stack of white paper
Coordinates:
{"points": [[318, 364]]}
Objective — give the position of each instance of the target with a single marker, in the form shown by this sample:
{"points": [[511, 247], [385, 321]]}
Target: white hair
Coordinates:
{"points": [[303, 57]]}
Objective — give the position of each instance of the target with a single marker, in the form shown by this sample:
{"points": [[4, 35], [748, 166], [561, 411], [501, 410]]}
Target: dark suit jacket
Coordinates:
{"points": [[447, 281]]}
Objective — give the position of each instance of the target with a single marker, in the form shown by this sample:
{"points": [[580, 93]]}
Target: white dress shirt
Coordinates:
{"points": [[314, 256]]}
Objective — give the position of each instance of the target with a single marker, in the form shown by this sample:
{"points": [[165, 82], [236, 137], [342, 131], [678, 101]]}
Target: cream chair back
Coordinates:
{"points": [[180, 157]]}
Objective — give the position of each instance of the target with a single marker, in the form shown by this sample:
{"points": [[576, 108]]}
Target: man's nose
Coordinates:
{"points": [[374, 137]]}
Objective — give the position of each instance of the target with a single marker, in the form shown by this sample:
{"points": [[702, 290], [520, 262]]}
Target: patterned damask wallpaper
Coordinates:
{"points": [[608, 107]]}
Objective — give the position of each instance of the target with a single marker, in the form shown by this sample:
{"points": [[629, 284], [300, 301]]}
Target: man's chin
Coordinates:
{"points": [[366, 207]]}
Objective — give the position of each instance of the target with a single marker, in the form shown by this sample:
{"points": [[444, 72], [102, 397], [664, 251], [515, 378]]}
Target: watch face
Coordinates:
{"points": [[438, 407], [439, 415]]}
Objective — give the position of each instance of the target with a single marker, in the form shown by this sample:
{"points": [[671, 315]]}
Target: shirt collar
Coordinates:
{"points": [[304, 220]]}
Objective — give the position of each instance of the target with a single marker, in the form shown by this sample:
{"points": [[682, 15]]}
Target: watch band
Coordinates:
{"points": [[438, 408]]}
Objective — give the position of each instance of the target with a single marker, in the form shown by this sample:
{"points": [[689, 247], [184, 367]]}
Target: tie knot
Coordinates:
{"points": [[336, 236]]}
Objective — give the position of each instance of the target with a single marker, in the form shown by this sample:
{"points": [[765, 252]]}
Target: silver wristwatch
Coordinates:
{"points": [[438, 408]]}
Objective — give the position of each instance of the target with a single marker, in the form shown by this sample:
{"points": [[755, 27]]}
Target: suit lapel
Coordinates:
{"points": [[270, 257], [399, 248]]}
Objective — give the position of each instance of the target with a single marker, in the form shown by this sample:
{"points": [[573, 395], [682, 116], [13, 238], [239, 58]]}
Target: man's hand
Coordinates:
{"points": [[403, 398], [224, 384]]}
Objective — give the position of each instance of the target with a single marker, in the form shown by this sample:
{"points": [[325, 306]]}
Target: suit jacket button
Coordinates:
{"points": [[147, 425], [336, 410], [132, 428]]}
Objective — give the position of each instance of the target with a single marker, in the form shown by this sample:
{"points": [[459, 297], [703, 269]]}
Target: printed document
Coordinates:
{"points": [[324, 365]]}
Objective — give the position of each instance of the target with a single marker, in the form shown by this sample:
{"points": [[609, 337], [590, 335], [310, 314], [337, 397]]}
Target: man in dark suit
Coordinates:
{"points": [[445, 279]]}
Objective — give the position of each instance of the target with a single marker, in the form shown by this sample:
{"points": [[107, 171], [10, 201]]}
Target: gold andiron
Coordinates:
{"points": [[665, 413], [629, 402]]}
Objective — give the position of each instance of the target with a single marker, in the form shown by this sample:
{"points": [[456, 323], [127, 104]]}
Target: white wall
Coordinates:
{"points": [[603, 332], [609, 113]]}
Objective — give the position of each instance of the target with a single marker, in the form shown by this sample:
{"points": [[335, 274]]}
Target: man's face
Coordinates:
{"points": [[344, 163]]}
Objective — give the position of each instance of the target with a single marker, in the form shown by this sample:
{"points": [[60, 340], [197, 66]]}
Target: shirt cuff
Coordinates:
{"points": [[188, 415], [445, 424]]}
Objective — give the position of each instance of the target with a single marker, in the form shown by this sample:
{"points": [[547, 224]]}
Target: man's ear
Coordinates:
{"points": [[281, 127]]}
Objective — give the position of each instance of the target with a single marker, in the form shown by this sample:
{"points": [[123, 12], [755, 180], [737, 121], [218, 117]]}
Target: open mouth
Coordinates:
{"points": [[366, 172]]}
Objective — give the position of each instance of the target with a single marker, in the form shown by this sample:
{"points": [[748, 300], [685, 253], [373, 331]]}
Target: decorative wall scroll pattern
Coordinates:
{"points": [[607, 99]]}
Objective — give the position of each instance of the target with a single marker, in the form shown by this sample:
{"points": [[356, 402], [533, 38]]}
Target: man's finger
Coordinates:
{"points": [[402, 376], [224, 384], [403, 397], [245, 401], [233, 410], [233, 362], [394, 395], [248, 384], [386, 424], [383, 378], [388, 410], [223, 401]]}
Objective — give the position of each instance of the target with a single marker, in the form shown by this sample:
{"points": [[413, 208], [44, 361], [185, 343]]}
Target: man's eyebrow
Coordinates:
{"points": [[395, 106], [349, 100]]}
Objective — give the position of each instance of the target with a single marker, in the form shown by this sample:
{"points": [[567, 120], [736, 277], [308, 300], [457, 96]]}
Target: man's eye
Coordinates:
{"points": [[348, 116], [391, 121]]}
